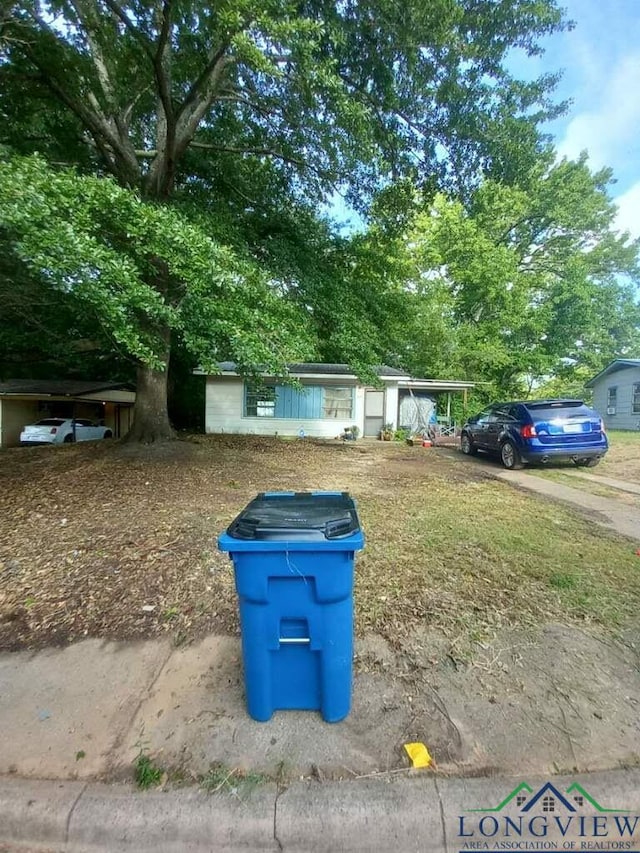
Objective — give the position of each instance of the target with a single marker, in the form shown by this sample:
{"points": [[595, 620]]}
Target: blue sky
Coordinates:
{"points": [[600, 60]]}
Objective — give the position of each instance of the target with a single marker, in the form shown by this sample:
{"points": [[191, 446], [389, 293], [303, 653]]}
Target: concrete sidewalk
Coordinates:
{"points": [[612, 482], [527, 703], [424, 812], [608, 512]]}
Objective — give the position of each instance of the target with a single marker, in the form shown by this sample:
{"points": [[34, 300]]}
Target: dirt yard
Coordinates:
{"points": [[115, 541], [498, 627]]}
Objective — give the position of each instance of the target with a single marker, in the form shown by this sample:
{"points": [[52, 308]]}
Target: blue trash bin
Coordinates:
{"points": [[293, 556]]}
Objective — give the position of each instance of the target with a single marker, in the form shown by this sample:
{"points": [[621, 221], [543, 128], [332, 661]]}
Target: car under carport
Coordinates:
{"points": [[25, 401]]}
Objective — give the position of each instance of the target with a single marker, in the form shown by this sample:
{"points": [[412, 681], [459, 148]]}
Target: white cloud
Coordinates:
{"points": [[628, 218], [609, 131]]}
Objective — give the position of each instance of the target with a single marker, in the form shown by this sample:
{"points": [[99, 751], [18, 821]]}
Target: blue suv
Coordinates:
{"points": [[537, 431]]}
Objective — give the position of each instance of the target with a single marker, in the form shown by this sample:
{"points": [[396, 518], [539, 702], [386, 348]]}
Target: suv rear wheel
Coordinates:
{"points": [[510, 456], [588, 463]]}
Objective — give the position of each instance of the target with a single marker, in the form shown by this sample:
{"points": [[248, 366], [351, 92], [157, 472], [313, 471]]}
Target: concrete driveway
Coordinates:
{"points": [[617, 512]]}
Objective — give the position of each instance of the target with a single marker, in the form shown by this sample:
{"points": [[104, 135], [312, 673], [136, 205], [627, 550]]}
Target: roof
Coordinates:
{"points": [[613, 367], [58, 387], [309, 368], [549, 790]]}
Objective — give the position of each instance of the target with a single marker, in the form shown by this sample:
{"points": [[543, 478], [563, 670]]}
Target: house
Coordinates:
{"points": [[616, 393], [331, 398], [25, 401]]}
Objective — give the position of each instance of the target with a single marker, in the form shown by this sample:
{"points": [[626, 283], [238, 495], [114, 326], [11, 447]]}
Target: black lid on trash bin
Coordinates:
{"points": [[295, 516]]}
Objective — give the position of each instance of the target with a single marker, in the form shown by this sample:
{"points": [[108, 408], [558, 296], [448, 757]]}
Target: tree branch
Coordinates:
{"points": [[119, 12], [89, 19], [161, 62], [200, 83], [264, 152], [92, 117], [164, 172]]}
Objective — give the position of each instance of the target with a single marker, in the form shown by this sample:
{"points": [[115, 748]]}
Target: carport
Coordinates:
{"points": [[25, 401], [416, 395]]}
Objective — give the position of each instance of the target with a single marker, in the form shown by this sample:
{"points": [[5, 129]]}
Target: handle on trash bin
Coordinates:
{"points": [[294, 639], [339, 527]]}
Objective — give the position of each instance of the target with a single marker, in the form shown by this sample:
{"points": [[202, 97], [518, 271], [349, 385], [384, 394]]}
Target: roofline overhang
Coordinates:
{"points": [[436, 384], [613, 367], [295, 375]]}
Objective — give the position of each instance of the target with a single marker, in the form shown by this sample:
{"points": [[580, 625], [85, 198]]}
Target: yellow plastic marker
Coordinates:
{"points": [[419, 754]]}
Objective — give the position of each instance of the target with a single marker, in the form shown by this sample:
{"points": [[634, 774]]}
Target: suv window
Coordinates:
{"points": [[560, 410], [504, 413]]}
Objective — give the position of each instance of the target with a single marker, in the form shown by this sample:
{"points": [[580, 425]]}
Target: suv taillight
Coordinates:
{"points": [[528, 431], [602, 427]]}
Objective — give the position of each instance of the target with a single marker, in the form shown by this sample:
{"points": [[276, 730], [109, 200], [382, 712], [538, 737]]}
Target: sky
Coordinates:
{"points": [[600, 61]]}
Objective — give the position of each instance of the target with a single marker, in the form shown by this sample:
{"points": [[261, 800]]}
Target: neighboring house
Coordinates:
{"points": [[25, 401], [616, 393], [331, 399]]}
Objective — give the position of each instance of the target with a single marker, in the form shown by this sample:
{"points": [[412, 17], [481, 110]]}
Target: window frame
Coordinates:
{"points": [[257, 390], [635, 398], [612, 397], [337, 417], [254, 395]]}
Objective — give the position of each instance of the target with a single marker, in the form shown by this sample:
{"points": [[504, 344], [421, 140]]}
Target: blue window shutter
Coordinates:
{"points": [[310, 402], [297, 405], [280, 401]]}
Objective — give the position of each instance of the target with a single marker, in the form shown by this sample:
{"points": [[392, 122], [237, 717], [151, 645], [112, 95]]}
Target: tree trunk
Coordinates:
{"points": [[150, 417]]}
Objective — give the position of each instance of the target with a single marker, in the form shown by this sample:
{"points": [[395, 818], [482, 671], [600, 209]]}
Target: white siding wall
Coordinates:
{"points": [[14, 414], [224, 408], [623, 380], [391, 406]]}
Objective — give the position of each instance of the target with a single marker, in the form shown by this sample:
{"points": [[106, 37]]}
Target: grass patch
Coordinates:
{"points": [[562, 580], [146, 773], [472, 557], [624, 437], [575, 482], [222, 779], [623, 459]]}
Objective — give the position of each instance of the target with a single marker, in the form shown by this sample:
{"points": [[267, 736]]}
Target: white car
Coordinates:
{"points": [[61, 431]]}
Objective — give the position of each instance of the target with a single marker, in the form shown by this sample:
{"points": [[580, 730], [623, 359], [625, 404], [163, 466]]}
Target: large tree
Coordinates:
{"points": [[526, 283], [88, 239], [331, 94]]}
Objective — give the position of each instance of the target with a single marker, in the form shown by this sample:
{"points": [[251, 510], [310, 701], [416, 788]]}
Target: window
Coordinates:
{"points": [[311, 402], [579, 800], [501, 415], [521, 800], [612, 396], [635, 398], [548, 804], [260, 400], [338, 403]]}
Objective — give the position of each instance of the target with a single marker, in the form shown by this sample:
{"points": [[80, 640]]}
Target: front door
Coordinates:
{"points": [[373, 413]]}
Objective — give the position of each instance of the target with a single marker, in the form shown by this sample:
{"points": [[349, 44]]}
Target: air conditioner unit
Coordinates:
{"points": [[611, 410]]}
